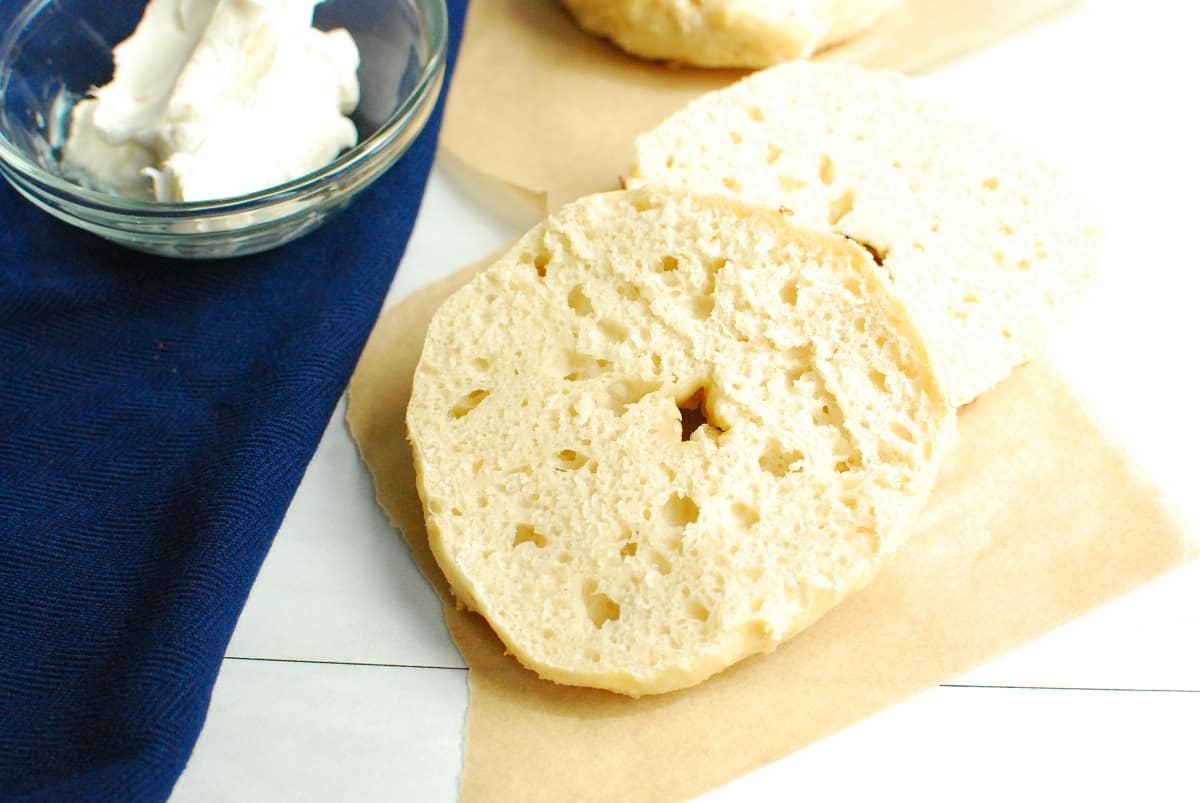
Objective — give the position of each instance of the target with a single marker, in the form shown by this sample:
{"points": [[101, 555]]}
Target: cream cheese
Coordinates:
{"points": [[217, 98]]}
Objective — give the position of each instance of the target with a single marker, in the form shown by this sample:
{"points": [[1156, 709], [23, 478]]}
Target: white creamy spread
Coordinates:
{"points": [[217, 98]]}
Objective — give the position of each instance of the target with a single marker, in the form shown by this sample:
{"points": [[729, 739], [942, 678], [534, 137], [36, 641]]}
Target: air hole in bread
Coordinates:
{"points": [[697, 611], [480, 364], [788, 293], [703, 306], [830, 413], [569, 460], [970, 298], [1024, 264], [779, 461], [841, 206], [854, 461], [660, 562], [540, 261], [754, 573], [680, 510], [564, 557], [629, 550], [878, 253], [773, 153], [827, 171], [525, 534], [902, 432], [998, 258], [578, 301], [641, 203], [797, 363], [629, 291], [735, 137], [614, 331], [878, 379], [468, 403], [668, 264], [694, 413], [626, 392], [732, 184], [712, 267], [1007, 231], [791, 183], [745, 515], [756, 114], [674, 542], [601, 608], [580, 366], [991, 183]]}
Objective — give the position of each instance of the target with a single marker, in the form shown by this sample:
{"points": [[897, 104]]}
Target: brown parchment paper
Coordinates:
{"points": [[1037, 517], [540, 105]]}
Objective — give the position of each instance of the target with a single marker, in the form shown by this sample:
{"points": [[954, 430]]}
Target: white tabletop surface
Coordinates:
{"points": [[341, 683]]}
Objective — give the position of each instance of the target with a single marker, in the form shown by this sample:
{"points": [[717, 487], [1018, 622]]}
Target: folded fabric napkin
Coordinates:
{"points": [[156, 417]]}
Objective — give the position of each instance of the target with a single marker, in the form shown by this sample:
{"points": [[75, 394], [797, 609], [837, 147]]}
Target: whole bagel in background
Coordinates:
{"points": [[726, 33]]}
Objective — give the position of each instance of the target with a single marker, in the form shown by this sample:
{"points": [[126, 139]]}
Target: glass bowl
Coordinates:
{"points": [[53, 51]]}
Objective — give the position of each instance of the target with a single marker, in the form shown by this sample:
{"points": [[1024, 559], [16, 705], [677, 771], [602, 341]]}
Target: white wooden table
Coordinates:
{"points": [[342, 684]]}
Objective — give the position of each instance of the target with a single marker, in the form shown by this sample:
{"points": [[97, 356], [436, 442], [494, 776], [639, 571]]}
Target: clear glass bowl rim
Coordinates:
{"points": [[436, 18]]}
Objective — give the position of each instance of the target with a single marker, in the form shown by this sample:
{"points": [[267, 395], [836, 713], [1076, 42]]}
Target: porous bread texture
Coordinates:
{"points": [[726, 33], [666, 432], [986, 245]]}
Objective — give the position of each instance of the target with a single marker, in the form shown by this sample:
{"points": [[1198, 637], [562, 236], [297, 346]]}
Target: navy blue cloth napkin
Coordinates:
{"points": [[156, 417]]}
